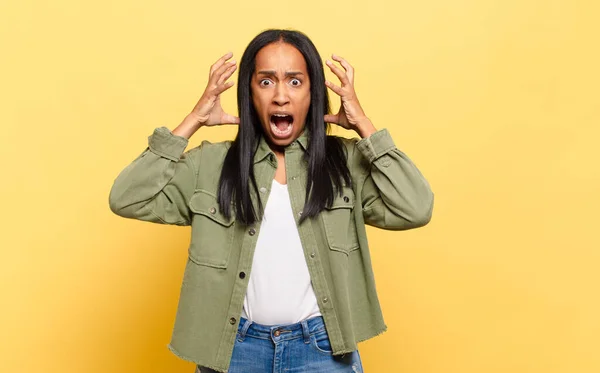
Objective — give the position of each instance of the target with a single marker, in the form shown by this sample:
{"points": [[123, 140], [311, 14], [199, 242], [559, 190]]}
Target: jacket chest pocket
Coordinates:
{"points": [[339, 223], [212, 232]]}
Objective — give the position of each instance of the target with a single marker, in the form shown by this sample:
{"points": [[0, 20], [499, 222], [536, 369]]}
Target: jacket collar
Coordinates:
{"points": [[264, 150]]}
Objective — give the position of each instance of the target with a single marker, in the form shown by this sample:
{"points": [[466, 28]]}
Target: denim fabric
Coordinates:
{"points": [[296, 348]]}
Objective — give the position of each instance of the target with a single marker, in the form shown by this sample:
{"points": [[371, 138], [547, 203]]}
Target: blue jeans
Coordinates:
{"points": [[295, 348]]}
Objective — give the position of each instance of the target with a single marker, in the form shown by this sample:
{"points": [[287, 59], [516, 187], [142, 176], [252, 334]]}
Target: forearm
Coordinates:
{"points": [[189, 126], [365, 128]]}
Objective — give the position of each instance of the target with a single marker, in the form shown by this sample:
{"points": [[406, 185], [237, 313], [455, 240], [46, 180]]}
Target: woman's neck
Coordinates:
{"points": [[280, 174]]}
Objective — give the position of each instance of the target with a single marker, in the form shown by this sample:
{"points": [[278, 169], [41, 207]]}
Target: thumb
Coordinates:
{"points": [[230, 119], [331, 118]]}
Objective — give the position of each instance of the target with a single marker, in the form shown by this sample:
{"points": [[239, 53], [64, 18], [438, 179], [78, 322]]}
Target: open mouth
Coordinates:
{"points": [[281, 125]]}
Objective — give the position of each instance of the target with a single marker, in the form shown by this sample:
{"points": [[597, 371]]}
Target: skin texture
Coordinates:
{"points": [[280, 83], [350, 115], [275, 89]]}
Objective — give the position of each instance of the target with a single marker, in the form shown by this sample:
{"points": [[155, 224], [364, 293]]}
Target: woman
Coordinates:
{"points": [[279, 275]]}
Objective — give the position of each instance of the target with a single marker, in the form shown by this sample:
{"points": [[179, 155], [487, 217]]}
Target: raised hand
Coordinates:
{"points": [[208, 110], [351, 115]]}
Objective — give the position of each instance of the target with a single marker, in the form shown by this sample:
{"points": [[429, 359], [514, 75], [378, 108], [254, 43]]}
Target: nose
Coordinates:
{"points": [[281, 96]]}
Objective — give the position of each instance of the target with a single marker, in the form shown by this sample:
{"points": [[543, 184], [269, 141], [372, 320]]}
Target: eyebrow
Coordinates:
{"points": [[274, 73]]}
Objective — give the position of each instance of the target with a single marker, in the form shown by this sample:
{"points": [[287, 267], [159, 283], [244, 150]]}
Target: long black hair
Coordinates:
{"points": [[326, 159]]}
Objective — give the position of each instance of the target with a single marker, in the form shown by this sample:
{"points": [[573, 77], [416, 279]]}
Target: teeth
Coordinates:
{"points": [[280, 132]]}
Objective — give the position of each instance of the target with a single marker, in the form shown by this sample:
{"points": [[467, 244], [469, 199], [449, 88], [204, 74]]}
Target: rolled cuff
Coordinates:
{"points": [[164, 143], [376, 145]]}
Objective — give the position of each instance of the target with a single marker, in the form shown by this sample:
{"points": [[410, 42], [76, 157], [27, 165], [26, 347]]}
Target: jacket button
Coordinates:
{"points": [[312, 255], [325, 300], [242, 275], [346, 199], [232, 320], [213, 210], [300, 214], [263, 190], [252, 232]]}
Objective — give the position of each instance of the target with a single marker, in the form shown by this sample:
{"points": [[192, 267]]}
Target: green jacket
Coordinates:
{"points": [[165, 185]]}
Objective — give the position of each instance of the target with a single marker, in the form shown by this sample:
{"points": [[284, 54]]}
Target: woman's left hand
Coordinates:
{"points": [[351, 115]]}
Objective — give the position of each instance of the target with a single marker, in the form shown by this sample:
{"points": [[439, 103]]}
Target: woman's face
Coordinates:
{"points": [[281, 93]]}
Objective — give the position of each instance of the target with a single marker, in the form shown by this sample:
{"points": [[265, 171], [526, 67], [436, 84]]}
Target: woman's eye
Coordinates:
{"points": [[295, 82], [265, 82]]}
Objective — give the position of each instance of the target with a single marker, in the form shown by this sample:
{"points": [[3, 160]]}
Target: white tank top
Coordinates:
{"points": [[279, 289]]}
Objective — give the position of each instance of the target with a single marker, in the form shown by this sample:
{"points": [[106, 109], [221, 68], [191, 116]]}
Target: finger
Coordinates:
{"points": [[349, 69], [337, 89], [222, 88], [338, 72], [226, 74], [230, 119], [220, 62], [332, 118], [342, 62], [218, 72]]}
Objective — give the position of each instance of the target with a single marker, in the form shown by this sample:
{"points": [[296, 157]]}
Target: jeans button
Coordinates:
{"points": [[277, 332]]}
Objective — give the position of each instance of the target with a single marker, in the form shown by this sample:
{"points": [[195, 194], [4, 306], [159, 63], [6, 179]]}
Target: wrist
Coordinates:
{"points": [[190, 124], [365, 128]]}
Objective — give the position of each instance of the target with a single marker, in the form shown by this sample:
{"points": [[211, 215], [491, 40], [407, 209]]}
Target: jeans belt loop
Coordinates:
{"points": [[305, 331], [244, 330]]}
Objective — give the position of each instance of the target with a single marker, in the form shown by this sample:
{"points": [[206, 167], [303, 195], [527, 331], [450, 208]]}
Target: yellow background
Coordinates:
{"points": [[496, 101]]}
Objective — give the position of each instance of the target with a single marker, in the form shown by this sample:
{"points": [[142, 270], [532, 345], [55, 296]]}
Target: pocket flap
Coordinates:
{"points": [[339, 222], [343, 201], [206, 204]]}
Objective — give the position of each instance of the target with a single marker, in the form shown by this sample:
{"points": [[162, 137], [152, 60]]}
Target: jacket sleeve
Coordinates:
{"points": [[394, 193], [156, 186]]}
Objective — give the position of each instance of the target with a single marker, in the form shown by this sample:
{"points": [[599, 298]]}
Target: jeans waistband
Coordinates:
{"points": [[302, 329]]}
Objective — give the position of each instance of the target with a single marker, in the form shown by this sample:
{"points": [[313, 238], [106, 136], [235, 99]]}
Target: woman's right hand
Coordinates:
{"points": [[208, 110]]}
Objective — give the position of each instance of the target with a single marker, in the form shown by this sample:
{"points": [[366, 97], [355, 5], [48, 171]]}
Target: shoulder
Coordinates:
{"points": [[354, 158], [348, 144], [207, 160], [207, 154], [209, 149], [214, 149]]}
